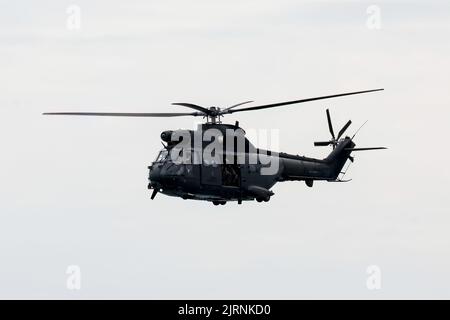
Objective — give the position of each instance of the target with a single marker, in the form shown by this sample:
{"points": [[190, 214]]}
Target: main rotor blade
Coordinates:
{"points": [[237, 105], [192, 106], [273, 105], [344, 128], [365, 149], [121, 114], [330, 125]]}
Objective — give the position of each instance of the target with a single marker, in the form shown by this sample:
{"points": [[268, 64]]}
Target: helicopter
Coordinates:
{"points": [[233, 169]]}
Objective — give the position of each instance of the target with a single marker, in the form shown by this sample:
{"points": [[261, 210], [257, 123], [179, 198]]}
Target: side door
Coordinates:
{"points": [[250, 174], [211, 173]]}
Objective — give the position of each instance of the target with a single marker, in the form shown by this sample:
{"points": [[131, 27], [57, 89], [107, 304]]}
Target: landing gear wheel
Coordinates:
{"points": [[216, 203], [265, 199]]}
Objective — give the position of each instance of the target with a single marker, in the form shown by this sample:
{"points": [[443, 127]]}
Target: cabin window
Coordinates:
{"points": [[162, 155]]}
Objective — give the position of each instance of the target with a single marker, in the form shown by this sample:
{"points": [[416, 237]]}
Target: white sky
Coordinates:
{"points": [[73, 190]]}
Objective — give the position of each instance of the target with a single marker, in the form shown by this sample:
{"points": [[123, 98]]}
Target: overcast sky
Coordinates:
{"points": [[73, 190]]}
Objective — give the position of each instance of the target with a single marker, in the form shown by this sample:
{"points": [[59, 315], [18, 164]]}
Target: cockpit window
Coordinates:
{"points": [[162, 155]]}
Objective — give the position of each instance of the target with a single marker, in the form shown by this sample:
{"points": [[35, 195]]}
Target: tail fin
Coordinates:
{"points": [[342, 148], [339, 156]]}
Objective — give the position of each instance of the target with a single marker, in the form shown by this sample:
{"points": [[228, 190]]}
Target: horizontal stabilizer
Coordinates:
{"points": [[365, 149]]}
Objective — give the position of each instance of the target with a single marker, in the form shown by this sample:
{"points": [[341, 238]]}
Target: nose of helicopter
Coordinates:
{"points": [[154, 177], [164, 176]]}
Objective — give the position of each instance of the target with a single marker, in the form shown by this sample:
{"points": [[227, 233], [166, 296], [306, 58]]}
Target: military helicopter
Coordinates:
{"points": [[235, 170]]}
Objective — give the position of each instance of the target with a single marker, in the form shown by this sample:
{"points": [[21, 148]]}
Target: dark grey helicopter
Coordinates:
{"points": [[233, 169]]}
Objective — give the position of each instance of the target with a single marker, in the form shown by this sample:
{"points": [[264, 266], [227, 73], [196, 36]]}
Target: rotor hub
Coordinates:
{"points": [[213, 116]]}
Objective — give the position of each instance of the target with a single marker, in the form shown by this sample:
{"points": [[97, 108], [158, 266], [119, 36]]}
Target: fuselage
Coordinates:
{"points": [[235, 174]]}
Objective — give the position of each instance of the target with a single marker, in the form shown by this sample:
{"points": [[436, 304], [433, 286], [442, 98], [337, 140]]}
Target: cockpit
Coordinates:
{"points": [[168, 165], [162, 155], [174, 156]]}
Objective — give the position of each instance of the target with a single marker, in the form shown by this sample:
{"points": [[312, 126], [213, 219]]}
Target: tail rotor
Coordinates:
{"points": [[334, 140]]}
